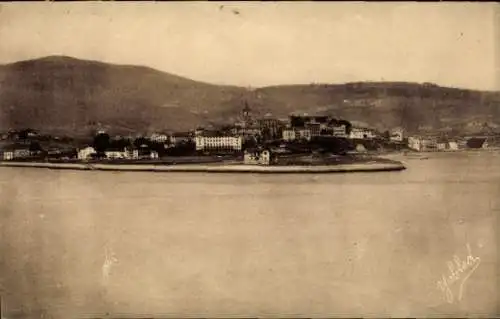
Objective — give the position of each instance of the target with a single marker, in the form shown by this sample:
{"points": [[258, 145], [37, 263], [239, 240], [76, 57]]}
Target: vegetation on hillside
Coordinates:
{"points": [[66, 95]]}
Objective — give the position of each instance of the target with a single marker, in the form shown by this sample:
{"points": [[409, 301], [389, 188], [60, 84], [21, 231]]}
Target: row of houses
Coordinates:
{"points": [[427, 144], [21, 152], [291, 134], [118, 153]]}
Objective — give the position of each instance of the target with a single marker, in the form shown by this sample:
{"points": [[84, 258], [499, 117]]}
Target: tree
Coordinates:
{"points": [[386, 135], [35, 147], [101, 143], [266, 134], [348, 126], [141, 141]]}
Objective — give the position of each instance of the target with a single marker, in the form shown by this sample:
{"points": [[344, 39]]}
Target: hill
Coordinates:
{"points": [[63, 94], [60, 93], [387, 105]]}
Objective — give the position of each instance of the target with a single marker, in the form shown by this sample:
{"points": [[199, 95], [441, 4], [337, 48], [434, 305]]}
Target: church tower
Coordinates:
{"points": [[246, 112]]}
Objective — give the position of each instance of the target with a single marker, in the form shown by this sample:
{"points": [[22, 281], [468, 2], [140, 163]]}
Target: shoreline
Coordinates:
{"points": [[231, 167]]}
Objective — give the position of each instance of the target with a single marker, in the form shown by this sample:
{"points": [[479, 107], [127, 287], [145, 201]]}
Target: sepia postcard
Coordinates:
{"points": [[249, 159]]}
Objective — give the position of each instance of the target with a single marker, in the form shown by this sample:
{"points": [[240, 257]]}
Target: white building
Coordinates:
{"points": [[422, 144], [453, 146], [8, 155], [361, 133], [218, 142], [304, 134], [340, 131], [86, 153], [255, 158], [159, 138], [415, 143], [116, 154], [127, 153], [397, 135], [133, 153], [442, 146], [289, 135]]}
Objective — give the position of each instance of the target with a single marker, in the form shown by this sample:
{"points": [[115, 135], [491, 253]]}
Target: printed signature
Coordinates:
{"points": [[460, 271]]}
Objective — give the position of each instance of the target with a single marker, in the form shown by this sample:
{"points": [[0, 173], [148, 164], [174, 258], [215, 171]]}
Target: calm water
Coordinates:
{"points": [[77, 244]]}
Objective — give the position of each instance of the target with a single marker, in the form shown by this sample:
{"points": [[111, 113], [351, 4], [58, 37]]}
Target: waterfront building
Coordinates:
{"points": [[441, 146], [429, 144], [123, 153], [132, 153], [453, 146], [115, 154], [214, 141], [256, 157], [7, 155], [86, 153], [422, 144]]}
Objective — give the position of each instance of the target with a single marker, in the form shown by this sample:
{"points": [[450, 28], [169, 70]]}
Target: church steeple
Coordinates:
{"points": [[246, 111]]}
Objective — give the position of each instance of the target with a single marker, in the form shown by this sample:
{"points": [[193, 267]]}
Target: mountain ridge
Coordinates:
{"points": [[70, 95]]}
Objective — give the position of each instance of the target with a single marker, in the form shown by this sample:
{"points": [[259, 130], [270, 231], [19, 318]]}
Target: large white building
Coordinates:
{"points": [[218, 143], [361, 133]]}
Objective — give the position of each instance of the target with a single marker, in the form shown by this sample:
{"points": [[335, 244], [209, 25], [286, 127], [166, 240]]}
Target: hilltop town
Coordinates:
{"points": [[298, 134], [115, 112]]}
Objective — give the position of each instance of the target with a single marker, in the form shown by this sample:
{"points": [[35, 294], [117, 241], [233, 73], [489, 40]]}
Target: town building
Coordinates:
{"points": [[215, 141], [270, 125], [116, 154], [257, 157], [17, 151], [86, 153], [289, 135], [304, 134], [314, 128], [361, 133], [243, 130], [124, 153], [339, 130], [159, 138], [397, 135], [181, 137], [453, 146], [441, 146], [7, 155], [423, 144]]}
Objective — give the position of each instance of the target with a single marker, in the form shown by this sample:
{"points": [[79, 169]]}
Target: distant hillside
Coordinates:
{"points": [[386, 105], [63, 94], [66, 94]]}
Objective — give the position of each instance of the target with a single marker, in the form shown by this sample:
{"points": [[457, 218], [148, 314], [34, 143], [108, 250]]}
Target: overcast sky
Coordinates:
{"points": [[258, 44]]}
